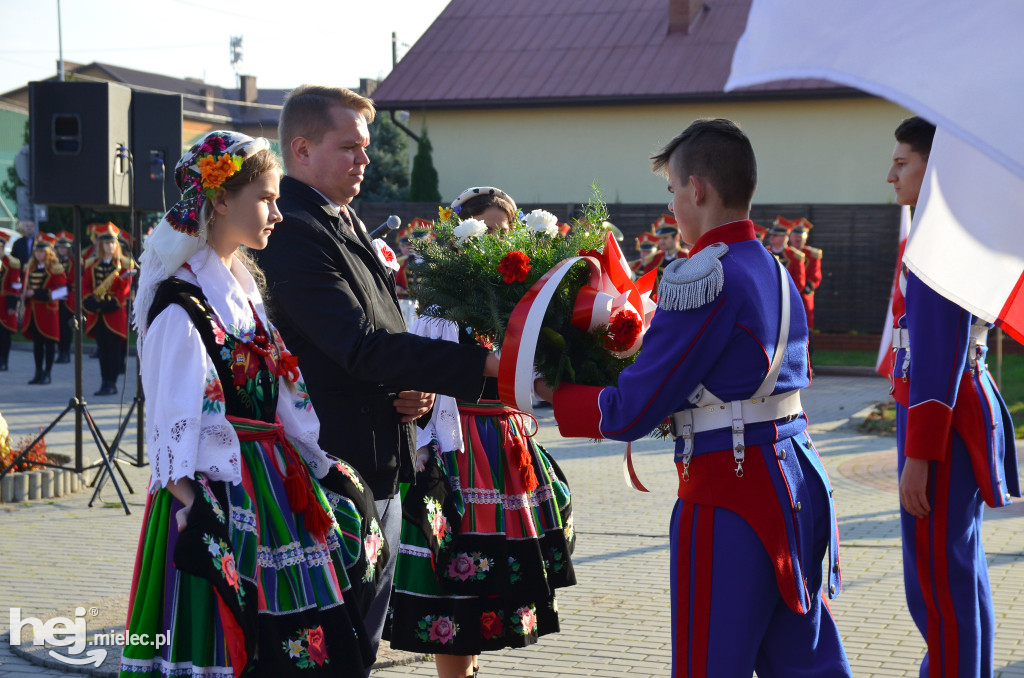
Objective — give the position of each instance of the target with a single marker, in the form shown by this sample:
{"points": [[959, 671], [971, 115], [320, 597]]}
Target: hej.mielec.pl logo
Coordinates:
{"points": [[72, 634]]}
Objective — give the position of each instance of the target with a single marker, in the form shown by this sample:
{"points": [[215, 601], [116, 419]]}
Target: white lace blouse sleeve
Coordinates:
{"points": [[444, 425], [186, 429], [301, 424]]}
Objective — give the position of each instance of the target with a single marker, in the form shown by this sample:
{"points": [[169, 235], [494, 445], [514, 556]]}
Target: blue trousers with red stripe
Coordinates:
{"points": [[728, 616], [944, 568]]}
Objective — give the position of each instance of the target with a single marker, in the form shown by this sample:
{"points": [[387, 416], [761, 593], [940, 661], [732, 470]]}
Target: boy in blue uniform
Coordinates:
{"points": [[725, 358], [956, 451]]}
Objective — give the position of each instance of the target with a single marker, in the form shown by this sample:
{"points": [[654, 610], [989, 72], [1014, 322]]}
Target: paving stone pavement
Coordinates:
{"points": [[58, 554]]}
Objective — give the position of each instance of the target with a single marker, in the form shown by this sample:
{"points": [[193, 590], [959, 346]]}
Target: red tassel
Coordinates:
{"points": [[298, 494], [518, 453], [529, 478], [317, 520]]}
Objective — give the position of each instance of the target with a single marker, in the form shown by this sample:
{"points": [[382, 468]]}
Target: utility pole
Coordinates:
{"points": [[394, 48], [60, 47]]}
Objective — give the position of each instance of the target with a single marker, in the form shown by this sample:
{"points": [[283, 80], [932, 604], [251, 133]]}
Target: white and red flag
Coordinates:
{"points": [[959, 66]]}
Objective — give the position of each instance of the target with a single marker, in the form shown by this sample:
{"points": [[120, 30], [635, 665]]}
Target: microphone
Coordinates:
{"points": [[391, 224]]}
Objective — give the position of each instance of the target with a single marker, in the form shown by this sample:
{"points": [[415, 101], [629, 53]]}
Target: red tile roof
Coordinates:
{"points": [[545, 52]]}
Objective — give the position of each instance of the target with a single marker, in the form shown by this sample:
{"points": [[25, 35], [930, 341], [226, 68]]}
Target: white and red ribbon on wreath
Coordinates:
{"points": [[610, 292]]}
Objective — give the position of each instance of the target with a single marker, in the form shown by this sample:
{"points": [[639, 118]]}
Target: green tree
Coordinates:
{"points": [[423, 186], [387, 176]]}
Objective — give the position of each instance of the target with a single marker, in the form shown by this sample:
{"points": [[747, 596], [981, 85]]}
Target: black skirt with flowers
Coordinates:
{"points": [[487, 537]]}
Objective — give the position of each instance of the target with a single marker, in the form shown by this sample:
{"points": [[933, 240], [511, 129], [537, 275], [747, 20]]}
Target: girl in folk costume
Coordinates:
{"points": [[487, 527], [258, 552], [66, 312], [106, 283], [44, 283], [10, 290]]}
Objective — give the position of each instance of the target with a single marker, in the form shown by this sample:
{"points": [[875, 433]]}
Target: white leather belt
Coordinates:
{"points": [[900, 338], [751, 411], [732, 415]]}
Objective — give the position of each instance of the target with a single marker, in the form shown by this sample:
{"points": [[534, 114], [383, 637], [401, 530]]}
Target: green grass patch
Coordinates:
{"points": [[845, 358], [880, 421]]}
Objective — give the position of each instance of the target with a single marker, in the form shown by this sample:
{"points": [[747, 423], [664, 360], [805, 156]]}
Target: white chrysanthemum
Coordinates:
{"points": [[544, 223], [470, 228]]}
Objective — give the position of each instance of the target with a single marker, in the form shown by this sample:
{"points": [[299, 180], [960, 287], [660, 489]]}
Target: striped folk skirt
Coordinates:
{"points": [[487, 536], [248, 585]]}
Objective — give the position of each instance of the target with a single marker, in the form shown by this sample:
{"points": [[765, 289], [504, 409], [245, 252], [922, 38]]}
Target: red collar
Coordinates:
{"points": [[734, 231]]}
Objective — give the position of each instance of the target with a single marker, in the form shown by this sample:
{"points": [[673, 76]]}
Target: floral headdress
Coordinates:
{"points": [[182, 231]]}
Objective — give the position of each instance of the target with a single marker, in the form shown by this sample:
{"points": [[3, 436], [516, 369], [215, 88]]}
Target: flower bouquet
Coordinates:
{"points": [[566, 307]]}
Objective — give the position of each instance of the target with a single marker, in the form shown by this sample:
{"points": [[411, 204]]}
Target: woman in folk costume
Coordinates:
{"points": [[257, 550], [106, 283], [487, 527], [10, 290], [44, 283]]}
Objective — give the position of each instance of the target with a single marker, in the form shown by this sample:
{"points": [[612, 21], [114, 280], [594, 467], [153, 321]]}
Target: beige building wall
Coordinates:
{"points": [[818, 151]]}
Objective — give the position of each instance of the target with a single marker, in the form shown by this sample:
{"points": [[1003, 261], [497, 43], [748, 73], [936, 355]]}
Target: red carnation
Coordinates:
{"points": [[623, 331], [514, 266]]}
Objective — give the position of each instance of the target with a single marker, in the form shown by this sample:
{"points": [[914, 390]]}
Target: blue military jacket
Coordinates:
{"points": [[723, 336], [939, 375]]}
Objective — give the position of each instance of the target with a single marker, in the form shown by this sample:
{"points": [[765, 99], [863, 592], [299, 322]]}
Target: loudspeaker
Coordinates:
{"points": [[156, 147], [77, 129]]}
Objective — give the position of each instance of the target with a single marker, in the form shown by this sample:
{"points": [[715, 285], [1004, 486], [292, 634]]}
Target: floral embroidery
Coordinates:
{"points": [[468, 566], [570, 530], [302, 401], [224, 561], [351, 474], [215, 505], [438, 523], [374, 544], [513, 570], [218, 332], [524, 621], [213, 396], [309, 648], [491, 625], [559, 560], [436, 629], [225, 353]]}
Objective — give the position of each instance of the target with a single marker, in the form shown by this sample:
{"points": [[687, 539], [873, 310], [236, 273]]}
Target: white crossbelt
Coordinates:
{"points": [[711, 412]]}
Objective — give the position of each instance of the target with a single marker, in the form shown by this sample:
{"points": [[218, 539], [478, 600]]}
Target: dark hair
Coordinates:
{"points": [[917, 133], [307, 113], [717, 151], [478, 204]]}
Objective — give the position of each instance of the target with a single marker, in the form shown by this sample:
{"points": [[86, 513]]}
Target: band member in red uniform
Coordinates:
{"points": [[10, 290], [44, 284], [792, 259], [106, 283], [812, 264], [646, 244]]}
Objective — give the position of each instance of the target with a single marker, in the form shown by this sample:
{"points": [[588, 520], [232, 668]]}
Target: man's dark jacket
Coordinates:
{"points": [[20, 249], [334, 303]]}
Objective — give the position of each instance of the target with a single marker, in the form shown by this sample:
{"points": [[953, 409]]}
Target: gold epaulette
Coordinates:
{"points": [[56, 269], [813, 252], [14, 263], [89, 262], [401, 260], [127, 263], [795, 253]]}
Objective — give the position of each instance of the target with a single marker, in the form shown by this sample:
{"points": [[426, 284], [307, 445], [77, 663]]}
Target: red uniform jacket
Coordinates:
{"points": [[41, 307], [109, 311], [10, 288]]}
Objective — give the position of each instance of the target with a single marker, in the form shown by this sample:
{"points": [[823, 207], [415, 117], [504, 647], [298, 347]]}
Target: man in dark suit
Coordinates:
{"points": [[22, 247], [335, 304]]}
